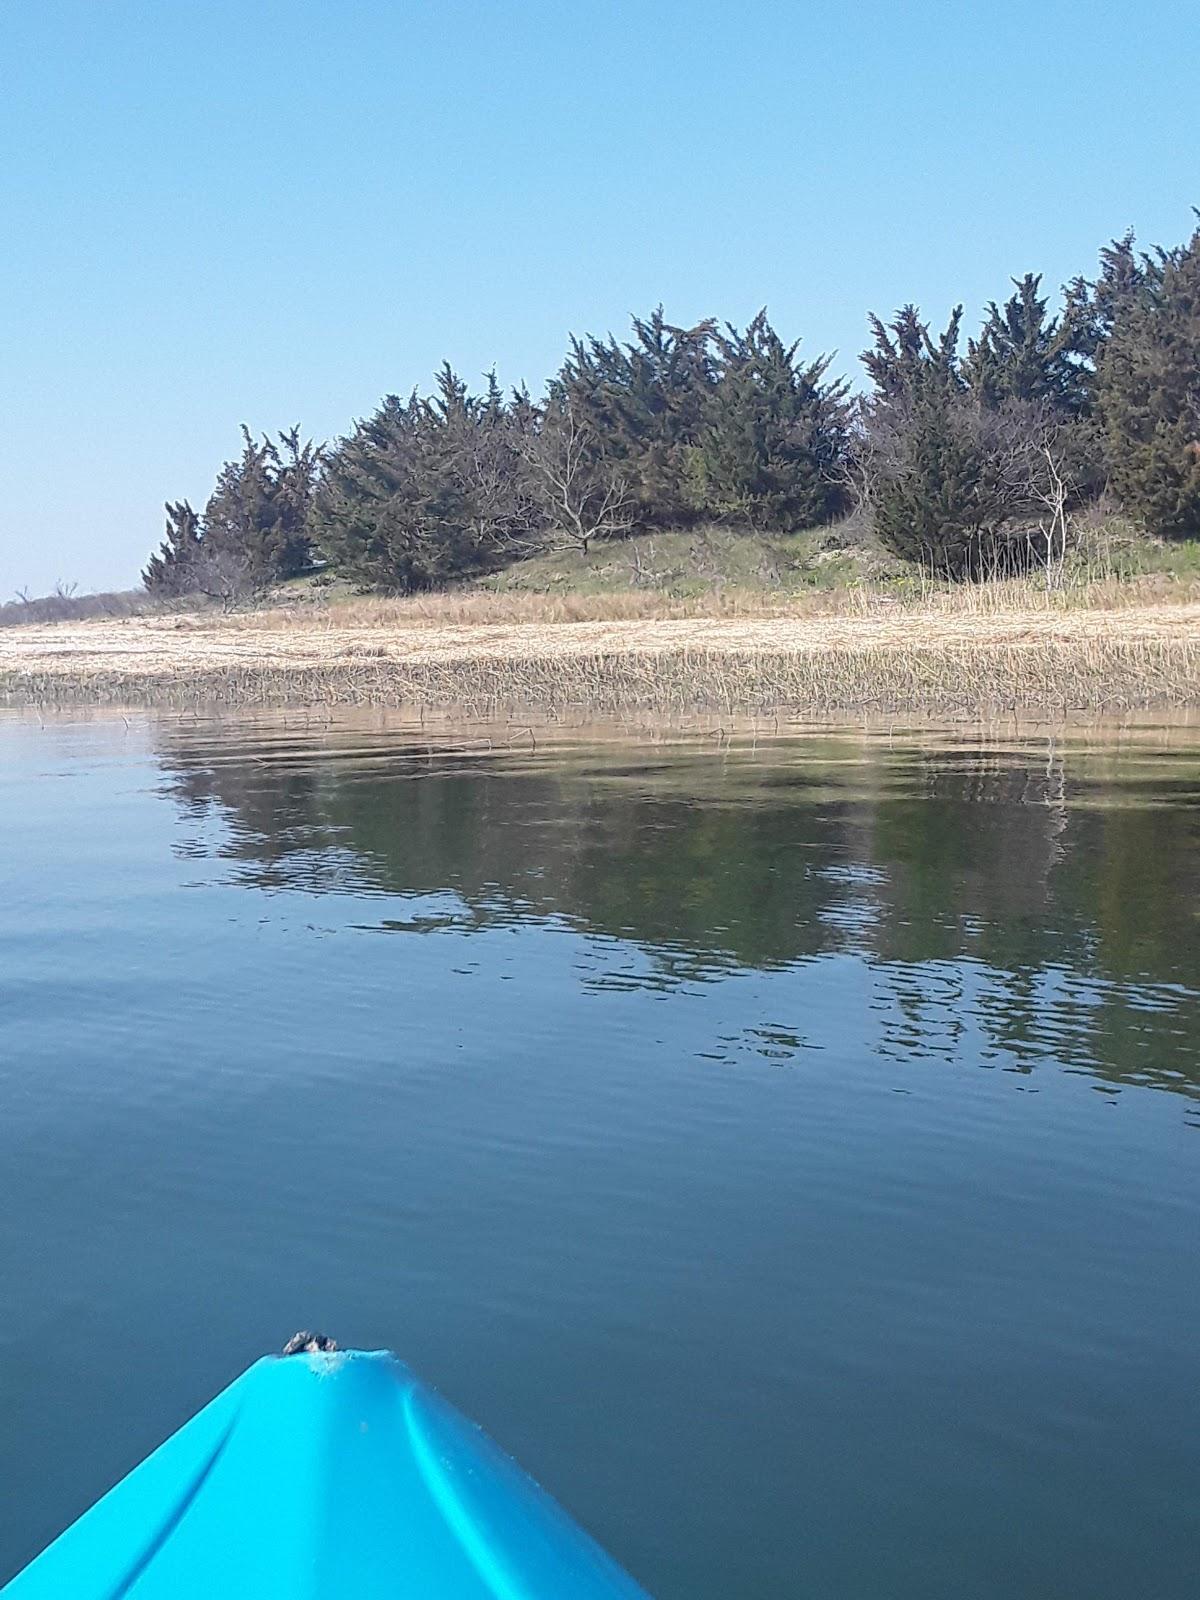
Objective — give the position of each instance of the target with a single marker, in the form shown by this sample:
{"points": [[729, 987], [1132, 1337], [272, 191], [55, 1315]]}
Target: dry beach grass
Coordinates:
{"points": [[1114, 648]]}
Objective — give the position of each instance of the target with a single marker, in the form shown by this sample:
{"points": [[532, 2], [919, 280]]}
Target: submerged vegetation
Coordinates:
{"points": [[963, 463]]}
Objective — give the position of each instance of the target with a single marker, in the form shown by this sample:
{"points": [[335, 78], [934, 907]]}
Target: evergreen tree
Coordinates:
{"points": [[929, 476], [973, 467], [258, 513], [426, 490], [1095, 306], [904, 361], [772, 447], [1034, 369], [1024, 354], [1148, 391], [476, 463], [368, 519], [965, 462], [255, 527], [641, 407], [171, 572]]}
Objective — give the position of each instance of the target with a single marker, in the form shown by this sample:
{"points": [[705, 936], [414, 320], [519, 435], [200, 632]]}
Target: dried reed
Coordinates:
{"points": [[943, 656]]}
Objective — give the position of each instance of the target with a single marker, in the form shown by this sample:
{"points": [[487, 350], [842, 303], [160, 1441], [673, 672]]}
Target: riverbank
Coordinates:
{"points": [[955, 654]]}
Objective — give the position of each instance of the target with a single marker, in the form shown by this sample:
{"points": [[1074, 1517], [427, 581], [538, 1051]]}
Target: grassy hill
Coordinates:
{"points": [[685, 572]]}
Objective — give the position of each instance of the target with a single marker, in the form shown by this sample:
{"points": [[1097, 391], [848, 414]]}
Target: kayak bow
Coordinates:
{"points": [[325, 1476]]}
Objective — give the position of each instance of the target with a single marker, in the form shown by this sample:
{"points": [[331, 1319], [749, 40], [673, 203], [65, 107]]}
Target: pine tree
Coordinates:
{"points": [[772, 446], [255, 527], [972, 467], [1148, 391]]}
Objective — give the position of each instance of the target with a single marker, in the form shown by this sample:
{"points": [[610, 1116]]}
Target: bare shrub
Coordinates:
{"points": [[65, 604], [580, 497], [226, 574]]}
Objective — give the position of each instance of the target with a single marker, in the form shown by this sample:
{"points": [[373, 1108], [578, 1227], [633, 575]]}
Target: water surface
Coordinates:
{"points": [[788, 1146]]}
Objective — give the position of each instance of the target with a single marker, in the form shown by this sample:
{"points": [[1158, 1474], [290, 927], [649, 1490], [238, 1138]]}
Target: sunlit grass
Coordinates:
{"points": [[1097, 635]]}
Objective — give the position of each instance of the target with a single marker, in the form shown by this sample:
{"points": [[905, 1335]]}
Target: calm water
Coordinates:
{"points": [[790, 1150]]}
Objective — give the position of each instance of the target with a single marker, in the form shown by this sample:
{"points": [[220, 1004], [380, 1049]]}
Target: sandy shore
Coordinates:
{"points": [[1101, 659]]}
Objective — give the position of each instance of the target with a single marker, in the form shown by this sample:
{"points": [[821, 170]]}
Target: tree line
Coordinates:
{"points": [[970, 460]]}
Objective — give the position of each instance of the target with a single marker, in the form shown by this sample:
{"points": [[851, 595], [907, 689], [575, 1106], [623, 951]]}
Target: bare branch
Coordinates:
{"points": [[581, 498]]}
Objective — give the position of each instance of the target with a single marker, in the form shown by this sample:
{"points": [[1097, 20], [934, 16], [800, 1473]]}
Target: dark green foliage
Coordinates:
{"points": [[1032, 366], [1148, 392], [928, 475], [968, 464], [1094, 306], [1024, 354], [972, 467], [171, 572], [363, 520], [698, 421], [641, 407], [772, 448], [255, 528], [259, 511], [904, 361], [426, 490]]}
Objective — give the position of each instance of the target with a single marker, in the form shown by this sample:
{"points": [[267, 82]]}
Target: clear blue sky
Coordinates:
{"points": [[215, 212]]}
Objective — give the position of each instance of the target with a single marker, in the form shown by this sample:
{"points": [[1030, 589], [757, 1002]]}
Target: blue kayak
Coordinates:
{"points": [[324, 1476]]}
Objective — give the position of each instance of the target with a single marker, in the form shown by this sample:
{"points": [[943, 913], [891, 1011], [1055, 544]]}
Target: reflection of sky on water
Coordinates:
{"points": [[807, 1079]]}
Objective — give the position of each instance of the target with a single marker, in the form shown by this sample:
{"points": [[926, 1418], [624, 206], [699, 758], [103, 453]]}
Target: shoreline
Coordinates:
{"points": [[1049, 659]]}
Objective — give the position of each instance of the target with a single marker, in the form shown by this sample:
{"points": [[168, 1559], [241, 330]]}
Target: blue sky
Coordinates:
{"points": [[273, 213]]}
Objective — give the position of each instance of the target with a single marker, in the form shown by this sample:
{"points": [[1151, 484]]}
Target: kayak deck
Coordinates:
{"points": [[330, 1476]]}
